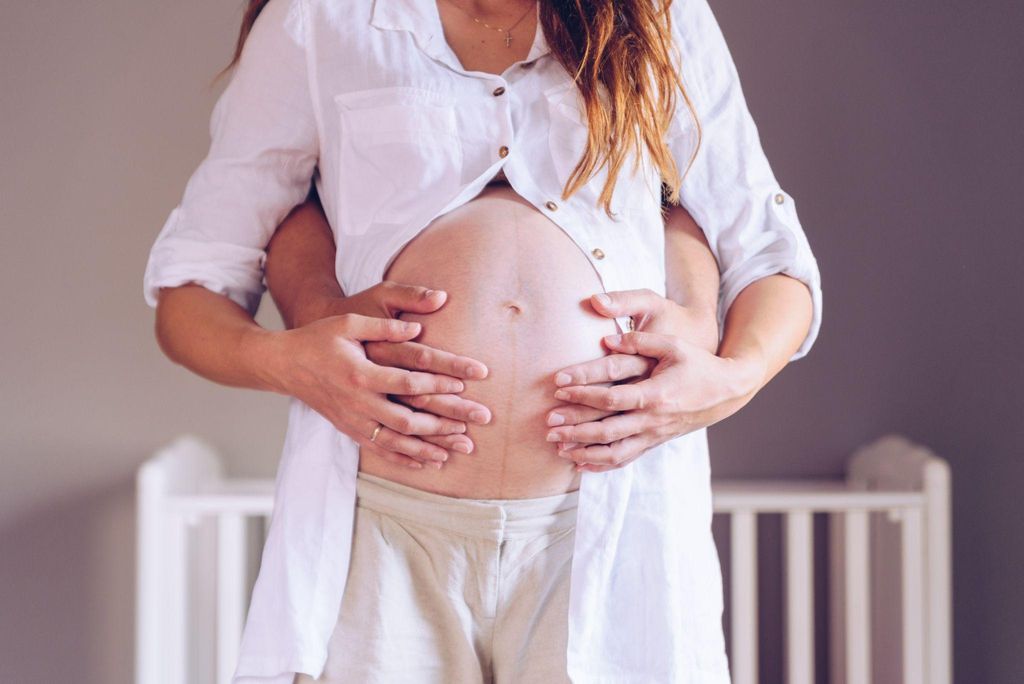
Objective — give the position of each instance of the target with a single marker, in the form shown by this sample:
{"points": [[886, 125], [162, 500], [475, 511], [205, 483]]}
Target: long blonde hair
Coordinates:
{"points": [[624, 47]]}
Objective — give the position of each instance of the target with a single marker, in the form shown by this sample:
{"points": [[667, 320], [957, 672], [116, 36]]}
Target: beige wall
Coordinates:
{"points": [[895, 125], [103, 116]]}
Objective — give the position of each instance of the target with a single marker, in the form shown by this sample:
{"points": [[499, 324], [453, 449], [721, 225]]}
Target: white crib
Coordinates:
{"points": [[200, 536]]}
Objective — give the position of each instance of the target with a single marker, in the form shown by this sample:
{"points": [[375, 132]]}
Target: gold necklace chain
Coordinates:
{"points": [[508, 31]]}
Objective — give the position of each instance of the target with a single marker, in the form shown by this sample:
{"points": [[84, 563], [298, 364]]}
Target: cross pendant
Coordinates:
{"points": [[508, 39]]}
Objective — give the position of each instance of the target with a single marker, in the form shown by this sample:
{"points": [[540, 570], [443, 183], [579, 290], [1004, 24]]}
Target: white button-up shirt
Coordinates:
{"points": [[368, 100]]}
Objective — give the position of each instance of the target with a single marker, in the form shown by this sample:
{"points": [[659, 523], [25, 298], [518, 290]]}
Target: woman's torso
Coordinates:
{"points": [[517, 301]]}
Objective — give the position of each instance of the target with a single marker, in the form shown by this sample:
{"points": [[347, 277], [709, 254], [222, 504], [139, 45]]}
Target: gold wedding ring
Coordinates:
{"points": [[376, 431]]}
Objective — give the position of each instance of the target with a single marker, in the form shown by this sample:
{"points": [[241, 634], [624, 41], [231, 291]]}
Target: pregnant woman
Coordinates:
{"points": [[490, 474]]}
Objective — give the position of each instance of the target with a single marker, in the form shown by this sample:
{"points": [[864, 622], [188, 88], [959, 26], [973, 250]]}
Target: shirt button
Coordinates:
{"points": [[598, 253], [500, 90], [550, 205], [780, 198], [503, 151]]}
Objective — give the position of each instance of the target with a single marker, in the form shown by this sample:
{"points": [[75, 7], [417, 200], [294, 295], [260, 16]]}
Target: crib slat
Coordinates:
{"points": [[837, 598], [175, 655], [857, 611], [799, 664], [743, 596], [231, 592], [913, 581]]}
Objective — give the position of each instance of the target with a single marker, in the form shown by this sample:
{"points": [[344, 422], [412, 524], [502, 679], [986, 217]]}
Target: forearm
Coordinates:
{"points": [[691, 272], [766, 324], [691, 277], [300, 266], [215, 338]]}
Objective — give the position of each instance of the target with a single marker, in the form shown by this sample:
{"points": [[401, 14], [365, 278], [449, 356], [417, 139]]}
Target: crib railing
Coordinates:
{"points": [[200, 535]]}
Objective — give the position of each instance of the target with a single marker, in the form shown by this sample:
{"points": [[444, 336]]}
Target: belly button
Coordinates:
{"points": [[513, 307]]}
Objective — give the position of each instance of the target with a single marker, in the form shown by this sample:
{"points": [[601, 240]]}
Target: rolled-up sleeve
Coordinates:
{"points": [[263, 152], [750, 222]]}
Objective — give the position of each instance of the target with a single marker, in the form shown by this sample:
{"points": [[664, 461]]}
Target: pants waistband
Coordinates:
{"points": [[493, 519]]}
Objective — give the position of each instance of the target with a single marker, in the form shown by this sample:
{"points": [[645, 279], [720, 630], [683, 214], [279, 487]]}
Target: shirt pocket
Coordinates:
{"points": [[399, 151], [568, 139]]}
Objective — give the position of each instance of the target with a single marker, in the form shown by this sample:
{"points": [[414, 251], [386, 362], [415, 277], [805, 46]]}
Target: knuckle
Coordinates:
{"points": [[409, 384], [421, 357], [662, 400], [345, 321], [403, 424]]}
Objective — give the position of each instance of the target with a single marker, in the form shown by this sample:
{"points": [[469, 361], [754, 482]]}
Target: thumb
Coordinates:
{"points": [[642, 302], [412, 298], [371, 328]]}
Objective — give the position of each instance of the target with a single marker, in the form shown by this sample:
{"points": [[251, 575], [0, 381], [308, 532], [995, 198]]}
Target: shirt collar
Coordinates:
{"points": [[421, 19]]}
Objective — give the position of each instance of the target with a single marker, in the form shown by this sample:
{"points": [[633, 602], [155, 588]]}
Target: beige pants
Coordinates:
{"points": [[459, 591]]}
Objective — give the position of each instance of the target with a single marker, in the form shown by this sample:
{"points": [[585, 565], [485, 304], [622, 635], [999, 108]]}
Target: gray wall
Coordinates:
{"points": [[896, 126]]}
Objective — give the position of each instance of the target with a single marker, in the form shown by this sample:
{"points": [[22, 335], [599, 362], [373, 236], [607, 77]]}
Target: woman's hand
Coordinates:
{"points": [[671, 383], [324, 364]]}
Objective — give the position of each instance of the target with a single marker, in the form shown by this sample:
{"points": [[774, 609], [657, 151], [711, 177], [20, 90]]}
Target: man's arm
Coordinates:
{"points": [[691, 276], [300, 266]]}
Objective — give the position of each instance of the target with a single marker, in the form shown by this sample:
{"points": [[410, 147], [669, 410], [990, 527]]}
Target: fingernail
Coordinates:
{"points": [[562, 394], [456, 386], [437, 465], [613, 339], [553, 437], [475, 372], [478, 416], [604, 299], [565, 454], [563, 379], [415, 464], [462, 446], [555, 419], [457, 429]]}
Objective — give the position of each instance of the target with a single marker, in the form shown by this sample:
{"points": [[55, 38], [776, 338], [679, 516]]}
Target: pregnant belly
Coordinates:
{"points": [[518, 290]]}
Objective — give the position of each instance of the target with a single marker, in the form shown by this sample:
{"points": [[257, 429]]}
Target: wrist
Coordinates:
{"points": [[749, 371], [263, 352], [317, 307]]}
